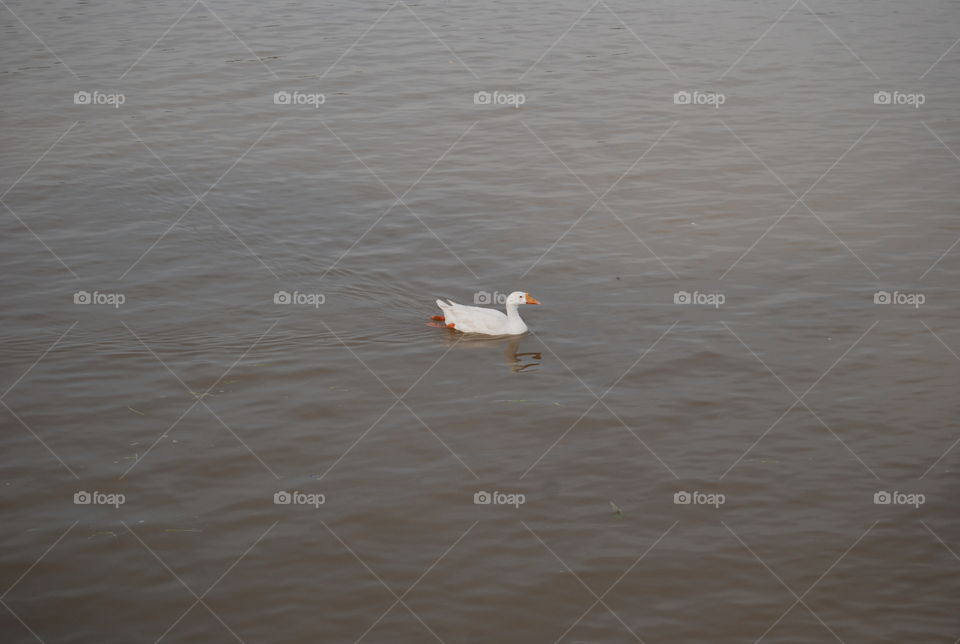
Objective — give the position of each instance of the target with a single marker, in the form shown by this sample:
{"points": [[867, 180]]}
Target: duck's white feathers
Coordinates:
{"points": [[474, 319]]}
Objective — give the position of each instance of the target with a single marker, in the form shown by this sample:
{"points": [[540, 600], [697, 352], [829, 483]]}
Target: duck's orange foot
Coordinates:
{"points": [[451, 326], [435, 325], [438, 318]]}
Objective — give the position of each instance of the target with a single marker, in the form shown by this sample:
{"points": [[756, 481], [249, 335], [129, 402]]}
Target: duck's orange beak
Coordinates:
{"points": [[530, 299]]}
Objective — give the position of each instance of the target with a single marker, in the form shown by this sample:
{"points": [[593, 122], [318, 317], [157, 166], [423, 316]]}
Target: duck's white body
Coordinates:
{"points": [[474, 319]]}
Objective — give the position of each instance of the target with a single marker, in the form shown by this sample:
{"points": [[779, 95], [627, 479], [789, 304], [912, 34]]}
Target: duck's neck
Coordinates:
{"points": [[513, 318]]}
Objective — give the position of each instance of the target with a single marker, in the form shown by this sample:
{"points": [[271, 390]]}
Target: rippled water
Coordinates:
{"points": [[781, 200]]}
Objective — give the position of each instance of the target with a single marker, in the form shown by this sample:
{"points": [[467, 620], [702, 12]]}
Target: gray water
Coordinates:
{"points": [[786, 400]]}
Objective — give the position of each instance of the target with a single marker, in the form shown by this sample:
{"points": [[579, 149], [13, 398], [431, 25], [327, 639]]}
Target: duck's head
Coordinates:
{"points": [[519, 297]]}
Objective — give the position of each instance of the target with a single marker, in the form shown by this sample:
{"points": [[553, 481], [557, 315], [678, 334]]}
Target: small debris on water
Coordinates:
{"points": [[617, 512]]}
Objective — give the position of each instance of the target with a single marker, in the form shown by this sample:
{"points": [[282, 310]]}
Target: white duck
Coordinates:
{"points": [[473, 319]]}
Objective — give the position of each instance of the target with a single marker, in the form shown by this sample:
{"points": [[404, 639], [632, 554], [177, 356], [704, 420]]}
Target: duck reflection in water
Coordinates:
{"points": [[517, 360]]}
